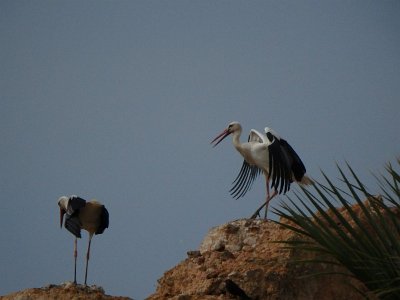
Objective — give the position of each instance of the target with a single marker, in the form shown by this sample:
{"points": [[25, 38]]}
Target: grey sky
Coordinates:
{"points": [[118, 101]]}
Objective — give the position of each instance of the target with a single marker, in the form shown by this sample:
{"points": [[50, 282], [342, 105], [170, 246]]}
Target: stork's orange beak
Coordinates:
{"points": [[62, 213], [220, 136]]}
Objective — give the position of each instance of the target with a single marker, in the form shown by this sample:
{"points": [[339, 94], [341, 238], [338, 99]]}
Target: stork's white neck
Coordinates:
{"points": [[242, 148], [236, 139]]}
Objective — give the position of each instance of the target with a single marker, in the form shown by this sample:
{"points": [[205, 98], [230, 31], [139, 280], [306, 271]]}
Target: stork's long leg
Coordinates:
{"points": [[268, 198], [75, 257], [87, 256], [267, 202], [257, 212]]}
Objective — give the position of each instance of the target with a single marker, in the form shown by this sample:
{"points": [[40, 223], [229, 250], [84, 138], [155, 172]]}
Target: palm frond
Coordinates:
{"points": [[362, 235]]}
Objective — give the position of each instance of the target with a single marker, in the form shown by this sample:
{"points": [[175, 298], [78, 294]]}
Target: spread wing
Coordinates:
{"points": [[297, 165], [279, 165], [244, 180], [104, 220], [255, 136], [248, 173]]}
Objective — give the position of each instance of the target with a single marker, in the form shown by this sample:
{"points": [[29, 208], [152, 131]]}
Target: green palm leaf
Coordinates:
{"points": [[362, 234]]}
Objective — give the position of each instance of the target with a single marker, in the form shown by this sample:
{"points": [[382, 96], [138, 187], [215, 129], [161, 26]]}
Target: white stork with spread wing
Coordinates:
{"points": [[268, 154]]}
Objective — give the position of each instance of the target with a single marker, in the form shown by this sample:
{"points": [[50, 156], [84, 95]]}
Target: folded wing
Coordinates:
{"points": [[72, 222], [104, 220]]}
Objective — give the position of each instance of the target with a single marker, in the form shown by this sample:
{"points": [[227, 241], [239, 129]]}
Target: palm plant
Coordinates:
{"points": [[362, 234]]}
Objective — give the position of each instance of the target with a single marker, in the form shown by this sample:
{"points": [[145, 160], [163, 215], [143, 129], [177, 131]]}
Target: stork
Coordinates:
{"points": [[268, 154], [91, 216]]}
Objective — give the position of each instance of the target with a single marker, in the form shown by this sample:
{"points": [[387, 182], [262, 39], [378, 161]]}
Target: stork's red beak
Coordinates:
{"points": [[62, 213], [220, 136]]}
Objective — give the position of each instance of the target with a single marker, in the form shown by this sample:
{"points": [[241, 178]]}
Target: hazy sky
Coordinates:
{"points": [[118, 101]]}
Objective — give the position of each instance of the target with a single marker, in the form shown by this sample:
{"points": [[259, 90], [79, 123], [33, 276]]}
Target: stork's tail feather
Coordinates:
{"points": [[305, 180]]}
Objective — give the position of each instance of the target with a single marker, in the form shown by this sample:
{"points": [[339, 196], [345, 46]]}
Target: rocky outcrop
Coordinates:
{"points": [[65, 291], [243, 260]]}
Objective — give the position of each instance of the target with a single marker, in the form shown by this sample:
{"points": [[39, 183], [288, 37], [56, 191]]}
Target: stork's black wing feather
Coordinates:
{"points": [[237, 183], [279, 167], [104, 221], [244, 180], [76, 203], [297, 165], [73, 224]]}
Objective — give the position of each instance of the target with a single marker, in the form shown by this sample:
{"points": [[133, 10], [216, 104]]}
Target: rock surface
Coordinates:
{"points": [[241, 260], [65, 291]]}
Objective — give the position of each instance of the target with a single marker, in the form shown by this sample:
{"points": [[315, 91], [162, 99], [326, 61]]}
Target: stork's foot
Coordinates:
{"points": [[257, 212]]}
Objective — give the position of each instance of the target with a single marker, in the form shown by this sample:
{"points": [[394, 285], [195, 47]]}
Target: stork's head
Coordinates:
{"points": [[63, 204], [233, 127]]}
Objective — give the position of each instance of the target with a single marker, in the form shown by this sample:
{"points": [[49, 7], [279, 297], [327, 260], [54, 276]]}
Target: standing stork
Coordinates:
{"points": [[268, 154], [81, 214]]}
